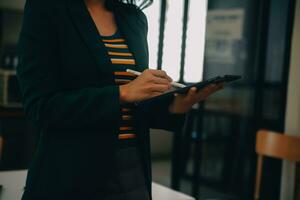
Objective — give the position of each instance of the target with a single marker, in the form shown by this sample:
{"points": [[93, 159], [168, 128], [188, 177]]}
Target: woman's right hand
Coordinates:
{"points": [[149, 84]]}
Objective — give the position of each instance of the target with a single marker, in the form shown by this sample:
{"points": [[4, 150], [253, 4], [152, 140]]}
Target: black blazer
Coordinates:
{"points": [[68, 90]]}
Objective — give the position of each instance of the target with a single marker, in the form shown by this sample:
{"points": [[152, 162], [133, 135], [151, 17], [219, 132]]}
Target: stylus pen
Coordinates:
{"points": [[175, 84]]}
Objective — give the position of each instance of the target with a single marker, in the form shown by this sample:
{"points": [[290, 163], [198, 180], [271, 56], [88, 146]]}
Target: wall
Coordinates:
{"points": [[292, 124], [12, 22], [12, 4], [161, 143]]}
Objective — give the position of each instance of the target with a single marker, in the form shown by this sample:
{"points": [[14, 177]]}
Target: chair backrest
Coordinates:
{"points": [[274, 145], [278, 145]]}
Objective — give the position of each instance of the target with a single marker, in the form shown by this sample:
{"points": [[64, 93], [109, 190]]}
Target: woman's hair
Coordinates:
{"points": [[138, 3]]}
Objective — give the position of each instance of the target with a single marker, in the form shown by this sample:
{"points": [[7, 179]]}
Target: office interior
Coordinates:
{"points": [[215, 155]]}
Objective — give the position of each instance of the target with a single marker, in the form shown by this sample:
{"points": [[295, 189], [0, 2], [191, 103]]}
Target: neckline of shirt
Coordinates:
{"points": [[115, 35]]}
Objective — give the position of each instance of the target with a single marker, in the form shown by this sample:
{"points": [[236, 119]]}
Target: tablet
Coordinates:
{"points": [[219, 79]]}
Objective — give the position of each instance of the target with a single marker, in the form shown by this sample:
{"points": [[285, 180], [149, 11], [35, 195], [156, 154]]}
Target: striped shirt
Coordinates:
{"points": [[122, 59]]}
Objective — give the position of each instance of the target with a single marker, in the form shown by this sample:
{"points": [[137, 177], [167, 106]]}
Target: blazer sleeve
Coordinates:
{"points": [[157, 114], [44, 99]]}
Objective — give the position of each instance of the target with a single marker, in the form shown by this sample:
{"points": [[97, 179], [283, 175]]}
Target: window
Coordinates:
{"points": [[153, 16], [193, 70], [173, 37]]}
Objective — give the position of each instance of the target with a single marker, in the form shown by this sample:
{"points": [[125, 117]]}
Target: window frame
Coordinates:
{"points": [[162, 24]]}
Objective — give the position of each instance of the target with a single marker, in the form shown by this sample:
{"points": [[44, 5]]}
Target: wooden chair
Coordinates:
{"points": [[274, 145], [297, 183]]}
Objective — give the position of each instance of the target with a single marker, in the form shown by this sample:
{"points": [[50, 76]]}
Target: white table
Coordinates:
{"points": [[13, 183], [160, 192]]}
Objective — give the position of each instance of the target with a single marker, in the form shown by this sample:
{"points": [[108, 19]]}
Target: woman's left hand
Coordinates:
{"points": [[182, 103]]}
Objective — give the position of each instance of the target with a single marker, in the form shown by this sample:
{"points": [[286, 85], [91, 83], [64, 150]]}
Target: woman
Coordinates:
{"points": [[94, 141]]}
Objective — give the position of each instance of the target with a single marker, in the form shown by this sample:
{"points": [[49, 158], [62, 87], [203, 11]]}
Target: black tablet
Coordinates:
{"points": [[219, 79]]}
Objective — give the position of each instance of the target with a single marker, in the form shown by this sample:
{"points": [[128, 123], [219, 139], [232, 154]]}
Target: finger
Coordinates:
{"points": [[192, 91], [162, 74], [166, 75], [210, 88], [154, 94], [159, 88], [169, 78], [191, 94], [206, 89], [203, 90], [218, 87], [206, 93], [159, 80], [180, 95]]}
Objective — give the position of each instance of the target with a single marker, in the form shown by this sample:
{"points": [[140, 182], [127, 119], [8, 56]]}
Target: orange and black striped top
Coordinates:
{"points": [[122, 59]]}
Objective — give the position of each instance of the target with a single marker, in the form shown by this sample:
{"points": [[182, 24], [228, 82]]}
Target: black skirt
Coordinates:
{"points": [[128, 180]]}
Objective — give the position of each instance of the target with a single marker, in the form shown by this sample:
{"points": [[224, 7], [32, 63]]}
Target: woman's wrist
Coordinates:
{"points": [[178, 108]]}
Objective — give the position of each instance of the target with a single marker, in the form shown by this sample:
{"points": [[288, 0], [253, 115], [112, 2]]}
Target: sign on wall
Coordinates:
{"points": [[224, 33]]}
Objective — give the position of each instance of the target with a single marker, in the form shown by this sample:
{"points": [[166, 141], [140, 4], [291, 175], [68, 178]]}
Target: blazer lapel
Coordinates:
{"points": [[127, 23], [90, 35], [135, 36]]}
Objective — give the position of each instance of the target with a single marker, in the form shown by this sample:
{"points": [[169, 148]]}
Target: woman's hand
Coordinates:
{"points": [[149, 84], [182, 103]]}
